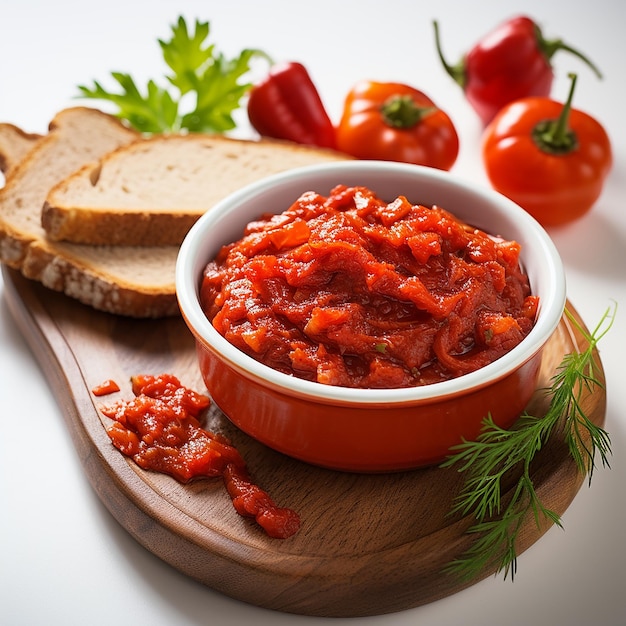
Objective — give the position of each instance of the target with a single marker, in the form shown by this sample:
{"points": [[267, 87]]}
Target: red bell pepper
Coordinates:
{"points": [[548, 157], [511, 62], [396, 122], [286, 105]]}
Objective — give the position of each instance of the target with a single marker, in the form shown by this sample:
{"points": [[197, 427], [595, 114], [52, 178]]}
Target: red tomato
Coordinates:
{"points": [[549, 158], [395, 122]]}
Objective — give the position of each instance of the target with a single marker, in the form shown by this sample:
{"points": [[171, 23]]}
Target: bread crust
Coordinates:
{"points": [[66, 275], [15, 144]]}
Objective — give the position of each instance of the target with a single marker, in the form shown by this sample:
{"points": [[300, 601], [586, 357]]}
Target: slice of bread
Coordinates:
{"points": [[14, 145], [137, 282], [153, 190]]}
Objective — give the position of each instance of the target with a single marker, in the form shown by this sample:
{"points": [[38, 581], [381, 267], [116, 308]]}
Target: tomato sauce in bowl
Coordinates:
{"points": [[353, 291], [356, 279]]}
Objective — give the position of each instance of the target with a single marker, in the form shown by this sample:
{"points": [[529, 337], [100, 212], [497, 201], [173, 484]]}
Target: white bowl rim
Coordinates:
{"points": [[188, 284]]}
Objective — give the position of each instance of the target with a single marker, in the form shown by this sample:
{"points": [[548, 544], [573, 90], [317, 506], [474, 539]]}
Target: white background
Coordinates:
{"points": [[63, 558]]}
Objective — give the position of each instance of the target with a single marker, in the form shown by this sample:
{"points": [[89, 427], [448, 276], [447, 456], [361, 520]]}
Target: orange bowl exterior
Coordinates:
{"points": [[367, 437]]}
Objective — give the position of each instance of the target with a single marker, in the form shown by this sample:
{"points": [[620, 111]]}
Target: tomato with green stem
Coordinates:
{"points": [[548, 157], [396, 122]]}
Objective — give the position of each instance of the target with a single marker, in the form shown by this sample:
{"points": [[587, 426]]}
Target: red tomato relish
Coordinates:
{"points": [[160, 430], [353, 291], [105, 388]]}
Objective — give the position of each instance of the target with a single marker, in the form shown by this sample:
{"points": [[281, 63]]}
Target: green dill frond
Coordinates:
{"points": [[499, 454]]}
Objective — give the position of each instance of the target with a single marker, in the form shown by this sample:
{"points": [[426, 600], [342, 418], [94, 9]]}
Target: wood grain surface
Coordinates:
{"points": [[369, 544]]}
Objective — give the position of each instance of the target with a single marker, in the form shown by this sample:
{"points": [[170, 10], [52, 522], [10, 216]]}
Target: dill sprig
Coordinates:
{"points": [[497, 453]]}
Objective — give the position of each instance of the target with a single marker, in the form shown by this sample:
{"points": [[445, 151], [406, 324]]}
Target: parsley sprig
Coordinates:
{"points": [[490, 461], [201, 78]]}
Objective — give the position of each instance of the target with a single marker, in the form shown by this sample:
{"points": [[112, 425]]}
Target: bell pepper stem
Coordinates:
{"points": [[555, 136], [456, 72], [561, 129], [402, 112], [551, 46]]}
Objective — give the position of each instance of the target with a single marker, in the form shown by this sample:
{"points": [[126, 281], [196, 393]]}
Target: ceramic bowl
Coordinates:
{"points": [[369, 430]]}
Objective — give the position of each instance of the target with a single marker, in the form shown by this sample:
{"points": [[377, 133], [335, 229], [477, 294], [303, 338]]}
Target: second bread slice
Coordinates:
{"points": [[151, 192]]}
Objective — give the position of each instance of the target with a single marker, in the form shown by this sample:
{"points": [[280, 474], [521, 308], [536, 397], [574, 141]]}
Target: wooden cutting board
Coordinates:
{"points": [[369, 544]]}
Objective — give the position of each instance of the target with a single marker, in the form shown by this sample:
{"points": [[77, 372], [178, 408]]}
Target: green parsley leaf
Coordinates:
{"points": [[187, 55], [206, 81], [219, 93]]}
